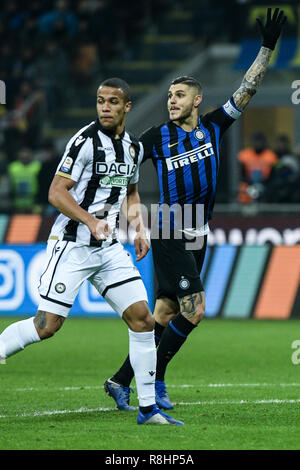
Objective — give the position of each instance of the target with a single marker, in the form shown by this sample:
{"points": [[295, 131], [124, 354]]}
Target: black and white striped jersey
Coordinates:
{"points": [[102, 164]]}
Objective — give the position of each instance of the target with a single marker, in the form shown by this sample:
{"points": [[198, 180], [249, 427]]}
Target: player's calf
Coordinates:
{"points": [[175, 334], [20, 334], [16, 337]]}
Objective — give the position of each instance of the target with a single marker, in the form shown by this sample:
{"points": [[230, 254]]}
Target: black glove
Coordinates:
{"points": [[272, 29]]}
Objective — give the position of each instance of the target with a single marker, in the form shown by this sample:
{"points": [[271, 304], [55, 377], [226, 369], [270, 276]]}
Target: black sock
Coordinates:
{"points": [[146, 409], [171, 341], [125, 374], [158, 331]]}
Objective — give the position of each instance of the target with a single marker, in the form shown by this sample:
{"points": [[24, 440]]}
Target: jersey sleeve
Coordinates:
{"points": [[148, 140], [223, 116], [75, 157], [135, 177]]}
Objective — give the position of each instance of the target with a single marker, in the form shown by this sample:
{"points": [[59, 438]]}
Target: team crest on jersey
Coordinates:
{"points": [[184, 283], [60, 287], [199, 134], [132, 151]]}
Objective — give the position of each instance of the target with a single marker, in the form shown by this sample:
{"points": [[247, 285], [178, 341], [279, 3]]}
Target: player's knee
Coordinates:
{"points": [[165, 311], [145, 324], [199, 313], [138, 317], [47, 324], [46, 333], [192, 307]]}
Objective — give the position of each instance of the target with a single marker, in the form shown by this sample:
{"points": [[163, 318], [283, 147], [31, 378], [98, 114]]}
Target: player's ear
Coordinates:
{"points": [[128, 106], [197, 101]]}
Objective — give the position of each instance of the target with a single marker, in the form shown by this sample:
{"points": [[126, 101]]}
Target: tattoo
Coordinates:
{"points": [[252, 78], [189, 303], [40, 319]]}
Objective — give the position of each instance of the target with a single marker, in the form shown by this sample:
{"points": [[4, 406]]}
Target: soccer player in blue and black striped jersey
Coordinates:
{"points": [[186, 154]]}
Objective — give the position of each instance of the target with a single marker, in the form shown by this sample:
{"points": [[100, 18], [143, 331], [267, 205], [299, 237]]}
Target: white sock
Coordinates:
{"points": [[16, 336], [142, 354]]}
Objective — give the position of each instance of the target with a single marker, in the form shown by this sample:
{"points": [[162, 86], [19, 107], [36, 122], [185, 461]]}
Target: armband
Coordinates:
{"points": [[231, 110]]}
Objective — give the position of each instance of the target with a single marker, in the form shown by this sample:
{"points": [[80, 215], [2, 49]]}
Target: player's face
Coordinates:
{"points": [[112, 107], [182, 101]]}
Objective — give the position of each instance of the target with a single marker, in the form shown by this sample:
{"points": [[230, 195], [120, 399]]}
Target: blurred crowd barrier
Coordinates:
{"points": [[251, 268]]}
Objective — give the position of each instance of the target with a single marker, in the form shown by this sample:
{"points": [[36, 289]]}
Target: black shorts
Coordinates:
{"points": [[177, 268]]}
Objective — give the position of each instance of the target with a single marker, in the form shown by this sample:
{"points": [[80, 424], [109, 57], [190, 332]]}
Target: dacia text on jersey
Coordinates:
{"points": [[189, 157], [115, 173], [115, 168]]}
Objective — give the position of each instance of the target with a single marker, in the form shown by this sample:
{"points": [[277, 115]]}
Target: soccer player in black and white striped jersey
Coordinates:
{"points": [[98, 170]]}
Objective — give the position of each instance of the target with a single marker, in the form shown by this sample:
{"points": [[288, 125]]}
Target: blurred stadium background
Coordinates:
{"points": [[53, 55]]}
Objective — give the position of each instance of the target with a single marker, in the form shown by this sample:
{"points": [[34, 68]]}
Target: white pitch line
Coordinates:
{"points": [[57, 412], [181, 403], [210, 385], [60, 389], [240, 402]]}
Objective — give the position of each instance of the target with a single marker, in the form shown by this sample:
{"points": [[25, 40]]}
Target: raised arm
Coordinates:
{"points": [[270, 33]]}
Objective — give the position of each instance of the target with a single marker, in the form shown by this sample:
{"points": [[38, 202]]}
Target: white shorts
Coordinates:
{"points": [[110, 270]]}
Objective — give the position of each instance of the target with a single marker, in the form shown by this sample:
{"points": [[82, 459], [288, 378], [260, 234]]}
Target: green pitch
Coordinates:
{"points": [[234, 385]]}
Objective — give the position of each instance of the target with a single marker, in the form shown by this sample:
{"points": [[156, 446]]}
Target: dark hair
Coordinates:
{"points": [[190, 81], [118, 83]]}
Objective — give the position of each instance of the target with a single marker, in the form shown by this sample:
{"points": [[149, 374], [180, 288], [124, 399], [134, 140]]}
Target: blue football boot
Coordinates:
{"points": [[161, 396], [120, 394], [156, 416]]}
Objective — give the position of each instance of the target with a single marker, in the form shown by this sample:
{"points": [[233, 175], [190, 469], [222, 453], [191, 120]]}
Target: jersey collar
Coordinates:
{"points": [[110, 133], [195, 128]]}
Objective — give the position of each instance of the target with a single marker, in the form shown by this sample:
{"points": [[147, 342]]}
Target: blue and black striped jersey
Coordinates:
{"points": [[187, 163]]}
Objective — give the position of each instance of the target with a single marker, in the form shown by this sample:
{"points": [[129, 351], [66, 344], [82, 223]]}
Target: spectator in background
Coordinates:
{"points": [[256, 165], [53, 76], [282, 145], [30, 113], [49, 160], [5, 201], [23, 176], [23, 123], [60, 21], [106, 29], [284, 182], [85, 53], [12, 14], [24, 65], [29, 32]]}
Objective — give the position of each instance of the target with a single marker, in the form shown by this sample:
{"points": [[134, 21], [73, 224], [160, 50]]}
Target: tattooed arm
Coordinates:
{"points": [[253, 77]]}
